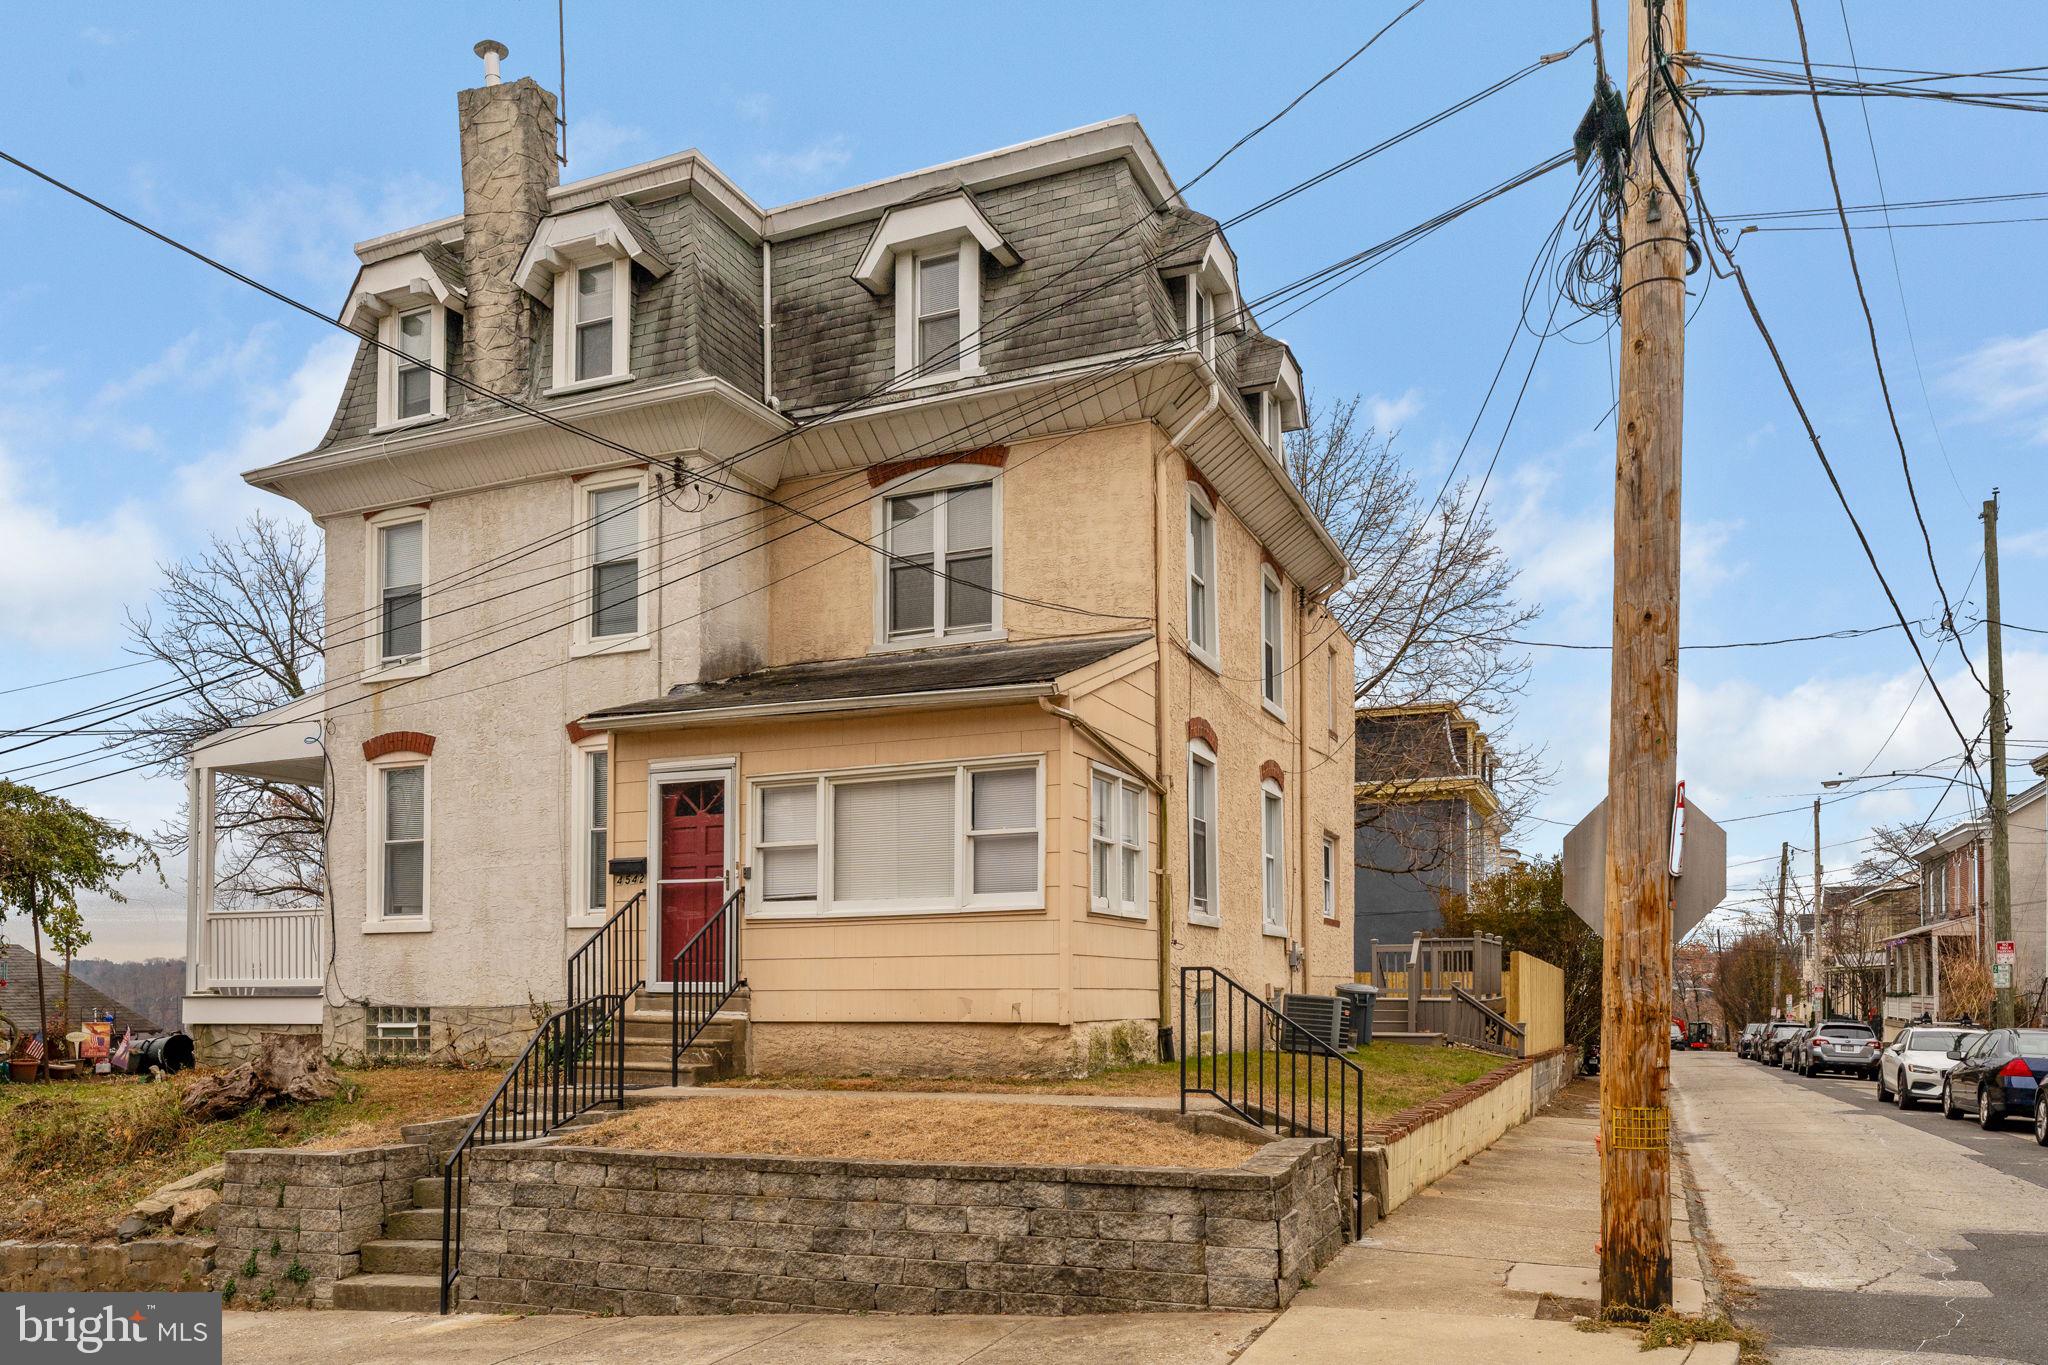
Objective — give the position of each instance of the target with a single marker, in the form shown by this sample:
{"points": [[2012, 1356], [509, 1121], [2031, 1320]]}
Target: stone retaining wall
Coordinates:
{"points": [[161, 1264], [292, 1221], [1418, 1146], [602, 1230]]}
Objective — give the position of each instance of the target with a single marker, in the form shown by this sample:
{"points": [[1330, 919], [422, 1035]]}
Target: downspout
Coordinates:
{"points": [[768, 325], [1301, 782], [1163, 871], [1201, 416]]}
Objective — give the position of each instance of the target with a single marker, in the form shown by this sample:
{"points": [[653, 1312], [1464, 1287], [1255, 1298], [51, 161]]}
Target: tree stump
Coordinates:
{"points": [[289, 1069]]}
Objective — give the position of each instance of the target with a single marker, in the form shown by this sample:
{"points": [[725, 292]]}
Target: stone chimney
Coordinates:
{"points": [[508, 166]]}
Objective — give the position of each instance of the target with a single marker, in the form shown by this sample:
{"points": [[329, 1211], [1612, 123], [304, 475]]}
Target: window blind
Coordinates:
{"points": [[893, 840], [405, 829], [615, 571]]}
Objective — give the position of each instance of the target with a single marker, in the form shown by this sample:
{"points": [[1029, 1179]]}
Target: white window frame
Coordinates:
{"points": [[582, 916], [1119, 841], [406, 1037], [1196, 325], [968, 357], [562, 358], [1273, 641], [376, 667], [1200, 753], [1202, 510], [388, 360], [964, 899], [581, 641], [944, 479], [1332, 897], [375, 920], [1272, 861]]}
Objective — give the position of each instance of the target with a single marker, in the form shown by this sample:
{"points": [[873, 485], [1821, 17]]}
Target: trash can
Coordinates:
{"points": [[1357, 1000]]}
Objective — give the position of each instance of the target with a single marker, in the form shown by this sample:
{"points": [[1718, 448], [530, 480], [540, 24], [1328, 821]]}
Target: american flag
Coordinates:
{"points": [[34, 1051]]}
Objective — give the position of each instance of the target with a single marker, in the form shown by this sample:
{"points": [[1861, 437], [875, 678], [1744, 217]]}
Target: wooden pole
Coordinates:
{"points": [[1820, 965], [1778, 1007], [1642, 770], [2001, 866]]}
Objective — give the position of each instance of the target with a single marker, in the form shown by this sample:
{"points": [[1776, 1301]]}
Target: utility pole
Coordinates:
{"points": [[2001, 868], [1642, 765], [1820, 966], [1778, 943]]}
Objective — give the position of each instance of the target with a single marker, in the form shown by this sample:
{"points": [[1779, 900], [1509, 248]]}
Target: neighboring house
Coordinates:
{"points": [[1850, 936], [1427, 818], [968, 621], [18, 996]]}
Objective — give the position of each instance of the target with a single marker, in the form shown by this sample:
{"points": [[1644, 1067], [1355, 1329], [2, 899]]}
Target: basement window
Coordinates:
{"points": [[398, 1031]]}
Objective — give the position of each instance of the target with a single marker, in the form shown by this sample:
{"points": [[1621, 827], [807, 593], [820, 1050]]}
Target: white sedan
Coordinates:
{"points": [[1912, 1066]]}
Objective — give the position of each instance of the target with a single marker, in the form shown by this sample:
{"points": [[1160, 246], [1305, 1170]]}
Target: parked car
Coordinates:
{"points": [[1912, 1067], [1769, 1047], [1791, 1046], [1677, 1036], [1745, 1044], [1837, 1047], [1996, 1074]]}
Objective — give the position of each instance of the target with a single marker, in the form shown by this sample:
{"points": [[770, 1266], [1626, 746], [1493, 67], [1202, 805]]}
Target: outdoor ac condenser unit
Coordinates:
{"points": [[1319, 1016]]}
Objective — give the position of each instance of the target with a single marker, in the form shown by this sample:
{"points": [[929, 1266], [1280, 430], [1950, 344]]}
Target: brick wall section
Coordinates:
{"points": [[167, 1264], [600, 1230], [316, 1208]]}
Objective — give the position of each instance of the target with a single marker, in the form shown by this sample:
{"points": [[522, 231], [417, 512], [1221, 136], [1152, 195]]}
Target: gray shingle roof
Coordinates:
{"points": [[950, 669], [18, 995], [1258, 362], [1188, 235]]}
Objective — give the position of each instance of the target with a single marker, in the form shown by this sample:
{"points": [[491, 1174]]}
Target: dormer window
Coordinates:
{"points": [[1201, 295], [581, 265], [1264, 413], [1270, 385], [409, 302], [928, 254]]}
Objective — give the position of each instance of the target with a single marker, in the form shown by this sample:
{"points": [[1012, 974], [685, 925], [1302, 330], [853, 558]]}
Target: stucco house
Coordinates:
{"points": [[910, 573], [1428, 818]]}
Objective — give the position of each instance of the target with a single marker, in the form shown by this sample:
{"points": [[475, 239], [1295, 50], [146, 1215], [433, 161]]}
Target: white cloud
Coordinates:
{"points": [[828, 154], [2027, 544], [754, 107], [597, 142], [1391, 414], [1563, 557], [1703, 554], [308, 228], [64, 581], [2007, 380], [283, 419]]}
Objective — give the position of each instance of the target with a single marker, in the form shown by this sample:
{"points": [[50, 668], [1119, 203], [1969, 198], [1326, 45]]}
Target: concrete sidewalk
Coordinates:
{"points": [[1487, 1267]]}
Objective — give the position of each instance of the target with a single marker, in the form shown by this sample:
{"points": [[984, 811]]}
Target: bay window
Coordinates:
{"points": [[963, 836], [1202, 859], [1116, 844], [1273, 859]]}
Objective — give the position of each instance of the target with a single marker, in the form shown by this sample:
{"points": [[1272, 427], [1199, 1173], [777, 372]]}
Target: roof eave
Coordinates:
{"points": [[790, 710]]}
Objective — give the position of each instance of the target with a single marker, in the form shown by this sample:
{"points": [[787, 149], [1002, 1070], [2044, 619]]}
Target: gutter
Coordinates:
{"points": [[890, 701], [1202, 414], [1131, 765]]}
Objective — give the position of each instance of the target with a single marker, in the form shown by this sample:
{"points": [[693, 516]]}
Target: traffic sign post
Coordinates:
{"points": [[1700, 848]]}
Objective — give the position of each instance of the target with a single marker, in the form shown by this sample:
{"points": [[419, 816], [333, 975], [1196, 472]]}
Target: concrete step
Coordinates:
{"points": [[413, 1225], [390, 1293], [426, 1191], [1380, 1035], [402, 1256], [656, 1054], [656, 1073]]}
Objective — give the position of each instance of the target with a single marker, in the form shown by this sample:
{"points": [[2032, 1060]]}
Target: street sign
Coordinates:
{"points": [[1693, 895], [2006, 953], [2001, 976]]}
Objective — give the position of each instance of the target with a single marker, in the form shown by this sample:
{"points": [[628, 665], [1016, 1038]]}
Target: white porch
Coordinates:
{"points": [[251, 966]]}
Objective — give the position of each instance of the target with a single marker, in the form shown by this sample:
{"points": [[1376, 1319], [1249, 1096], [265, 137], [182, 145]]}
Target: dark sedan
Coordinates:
{"points": [[1769, 1047], [1996, 1074]]}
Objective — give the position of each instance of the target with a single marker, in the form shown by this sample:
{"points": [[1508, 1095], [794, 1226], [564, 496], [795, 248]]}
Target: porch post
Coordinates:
{"points": [[199, 856]]}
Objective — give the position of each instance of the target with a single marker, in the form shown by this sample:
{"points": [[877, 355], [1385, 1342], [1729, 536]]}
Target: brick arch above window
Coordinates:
{"points": [[1271, 771], [398, 742], [1204, 731], [577, 734]]}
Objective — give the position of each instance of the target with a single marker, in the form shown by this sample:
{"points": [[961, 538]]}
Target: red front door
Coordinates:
{"points": [[692, 881]]}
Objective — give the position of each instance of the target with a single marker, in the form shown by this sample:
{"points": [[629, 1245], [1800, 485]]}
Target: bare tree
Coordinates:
{"points": [[1432, 609], [1890, 855], [239, 627]]}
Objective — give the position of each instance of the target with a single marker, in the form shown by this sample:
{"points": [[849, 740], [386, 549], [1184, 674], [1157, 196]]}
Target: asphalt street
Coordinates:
{"points": [[1856, 1233]]}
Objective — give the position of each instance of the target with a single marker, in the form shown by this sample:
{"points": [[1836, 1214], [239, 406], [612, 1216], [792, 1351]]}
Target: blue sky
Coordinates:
{"points": [[135, 385]]}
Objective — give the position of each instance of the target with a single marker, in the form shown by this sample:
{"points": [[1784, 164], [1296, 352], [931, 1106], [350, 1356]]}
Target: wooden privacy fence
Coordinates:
{"points": [[1467, 990], [1535, 998]]}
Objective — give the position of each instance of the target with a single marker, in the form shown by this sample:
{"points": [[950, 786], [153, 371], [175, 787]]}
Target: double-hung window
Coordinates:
{"points": [[955, 837], [1273, 859], [1116, 844], [614, 561], [1202, 859], [1340, 693], [593, 321], [416, 354], [1272, 647], [938, 313], [401, 558], [1330, 878], [939, 564], [1201, 579], [400, 803], [592, 796]]}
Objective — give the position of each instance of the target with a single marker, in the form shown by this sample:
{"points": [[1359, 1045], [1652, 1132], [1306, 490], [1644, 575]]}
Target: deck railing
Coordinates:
{"points": [[264, 949], [1269, 1071], [702, 976]]}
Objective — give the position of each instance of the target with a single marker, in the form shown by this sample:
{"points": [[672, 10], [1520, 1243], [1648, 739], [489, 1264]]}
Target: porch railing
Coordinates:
{"points": [[575, 1061], [264, 949], [703, 974], [1269, 1071], [1475, 1023]]}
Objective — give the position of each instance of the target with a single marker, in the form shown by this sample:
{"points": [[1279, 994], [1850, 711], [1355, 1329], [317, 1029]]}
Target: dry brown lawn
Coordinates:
{"points": [[914, 1130]]}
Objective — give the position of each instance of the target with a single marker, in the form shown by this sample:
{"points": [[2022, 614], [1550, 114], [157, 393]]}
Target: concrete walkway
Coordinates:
{"points": [[1487, 1267], [291, 1338]]}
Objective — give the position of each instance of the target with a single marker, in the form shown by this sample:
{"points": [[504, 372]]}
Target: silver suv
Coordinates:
{"points": [[1838, 1047]]}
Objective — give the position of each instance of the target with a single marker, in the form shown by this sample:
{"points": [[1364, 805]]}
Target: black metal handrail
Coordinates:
{"points": [[612, 960], [575, 1061], [1271, 1072], [702, 976]]}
